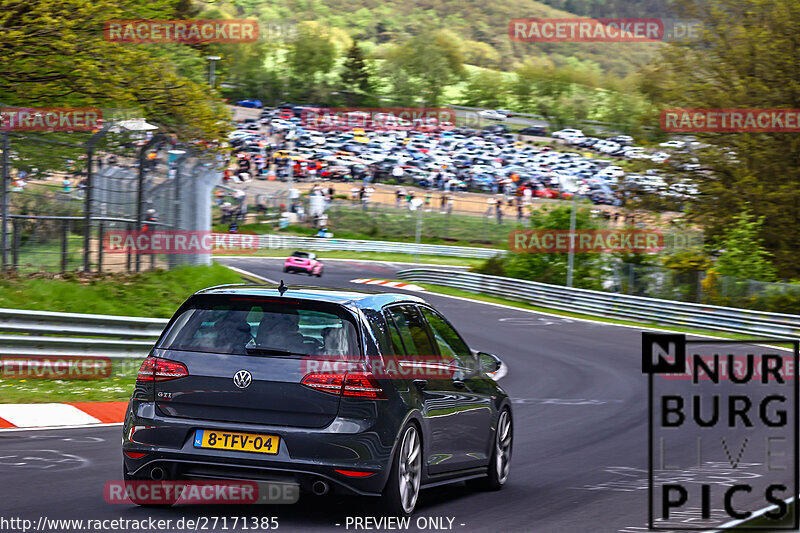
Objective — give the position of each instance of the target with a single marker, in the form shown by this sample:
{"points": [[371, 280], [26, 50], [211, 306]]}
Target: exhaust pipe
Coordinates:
{"points": [[320, 488], [157, 473]]}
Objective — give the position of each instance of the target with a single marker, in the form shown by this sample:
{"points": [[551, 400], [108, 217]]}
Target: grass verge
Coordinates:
{"points": [[151, 294], [116, 388], [374, 256], [399, 225]]}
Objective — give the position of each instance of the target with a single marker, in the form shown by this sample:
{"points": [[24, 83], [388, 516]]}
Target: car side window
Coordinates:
{"points": [[413, 330], [384, 331], [394, 335], [449, 342]]}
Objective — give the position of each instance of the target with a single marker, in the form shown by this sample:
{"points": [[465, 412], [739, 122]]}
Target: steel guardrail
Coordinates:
{"points": [[45, 333], [614, 305], [272, 241]]}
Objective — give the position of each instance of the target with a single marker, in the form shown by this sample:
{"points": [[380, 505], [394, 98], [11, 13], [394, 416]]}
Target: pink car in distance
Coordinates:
{"points": [[303, 262]]}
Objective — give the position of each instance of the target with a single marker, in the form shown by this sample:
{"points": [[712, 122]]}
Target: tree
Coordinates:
{"points": [[743, 253], [746, 57], [433, 59], [480, 54], [311, 55], [486, 89], [523, 87], [76, 66], [355, 77], [552, 267]]}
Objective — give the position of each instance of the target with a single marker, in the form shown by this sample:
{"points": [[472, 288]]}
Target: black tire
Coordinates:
{"points": [[285, 269], [319, 274], [499, 462], [132, 493], [394, 500]]}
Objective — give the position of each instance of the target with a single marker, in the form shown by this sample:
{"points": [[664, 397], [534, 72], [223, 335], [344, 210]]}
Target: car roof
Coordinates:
{"points": [[359, 298]]}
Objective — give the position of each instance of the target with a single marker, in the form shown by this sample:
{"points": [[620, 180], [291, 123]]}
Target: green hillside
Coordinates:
{"points": [[483, 27]]}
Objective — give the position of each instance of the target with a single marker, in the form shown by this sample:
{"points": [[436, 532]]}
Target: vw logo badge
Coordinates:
{"points": [[242, 379]]}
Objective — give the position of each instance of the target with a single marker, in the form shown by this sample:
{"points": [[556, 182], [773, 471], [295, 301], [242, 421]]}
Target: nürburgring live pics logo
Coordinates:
{"points": [[729, 403]]}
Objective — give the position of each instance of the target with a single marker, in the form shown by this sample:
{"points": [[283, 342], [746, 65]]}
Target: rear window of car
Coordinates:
{"points": [[301, 255], [262, 327]]}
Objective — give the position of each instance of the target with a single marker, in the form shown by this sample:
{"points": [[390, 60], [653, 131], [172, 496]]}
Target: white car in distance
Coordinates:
{"points": [[673, 144], [491, 114], [561, 134]]}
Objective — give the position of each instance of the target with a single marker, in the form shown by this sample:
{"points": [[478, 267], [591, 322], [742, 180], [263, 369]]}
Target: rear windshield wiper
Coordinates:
{"points": [[249, 348]]}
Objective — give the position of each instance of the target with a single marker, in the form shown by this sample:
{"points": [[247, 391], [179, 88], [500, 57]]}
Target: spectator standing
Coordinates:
{"points": [[490, 205], [397, 173]]}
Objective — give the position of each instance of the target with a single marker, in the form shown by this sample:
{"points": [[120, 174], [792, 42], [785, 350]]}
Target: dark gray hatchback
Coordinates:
{"points": [[354, 392]]}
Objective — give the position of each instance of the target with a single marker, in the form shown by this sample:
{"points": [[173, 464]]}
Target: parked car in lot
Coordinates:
{"points": [[303, 262], [624, 140], [539, 131], [250, 103], [237, 388], [560, 134], [673, 144], [495, 129]]}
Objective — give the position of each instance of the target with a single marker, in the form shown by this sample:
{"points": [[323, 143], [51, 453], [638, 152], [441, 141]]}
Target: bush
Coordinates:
{"points": [[494, 266]]}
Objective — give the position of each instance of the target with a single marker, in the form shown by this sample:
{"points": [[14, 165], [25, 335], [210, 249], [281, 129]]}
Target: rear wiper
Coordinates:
{"points": [[270, 351]]}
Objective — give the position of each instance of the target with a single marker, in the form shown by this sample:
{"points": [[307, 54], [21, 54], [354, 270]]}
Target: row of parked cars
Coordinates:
{"points": [[617, 146], [489, 160]]}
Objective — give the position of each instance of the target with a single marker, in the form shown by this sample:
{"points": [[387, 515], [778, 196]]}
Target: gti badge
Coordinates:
{"points": [[242, 379]]}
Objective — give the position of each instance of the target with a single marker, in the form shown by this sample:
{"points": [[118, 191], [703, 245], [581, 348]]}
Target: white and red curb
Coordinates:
{"points": [[387, 283], [34, 415]]}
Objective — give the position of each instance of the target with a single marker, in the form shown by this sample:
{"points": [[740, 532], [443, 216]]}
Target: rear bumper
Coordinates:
{"points": [[305, 455], [298, 268]]}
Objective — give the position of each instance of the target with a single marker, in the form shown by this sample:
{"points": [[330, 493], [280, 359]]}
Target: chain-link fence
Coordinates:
{"points": [[65, 194], [702, 287]]}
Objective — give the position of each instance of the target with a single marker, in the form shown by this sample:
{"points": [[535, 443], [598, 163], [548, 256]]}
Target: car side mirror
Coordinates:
{"points": [[489, 363]]}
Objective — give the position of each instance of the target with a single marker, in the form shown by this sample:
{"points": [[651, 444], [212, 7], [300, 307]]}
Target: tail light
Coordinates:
{"points": [[351, 473], [135, 455], [155, 369], [350, 384]]}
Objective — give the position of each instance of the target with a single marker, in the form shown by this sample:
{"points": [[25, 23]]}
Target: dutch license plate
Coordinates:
{"points": [[241, 442]]}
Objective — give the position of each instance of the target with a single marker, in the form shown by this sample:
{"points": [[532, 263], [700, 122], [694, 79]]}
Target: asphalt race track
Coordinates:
{"points": [[580, 435]]}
